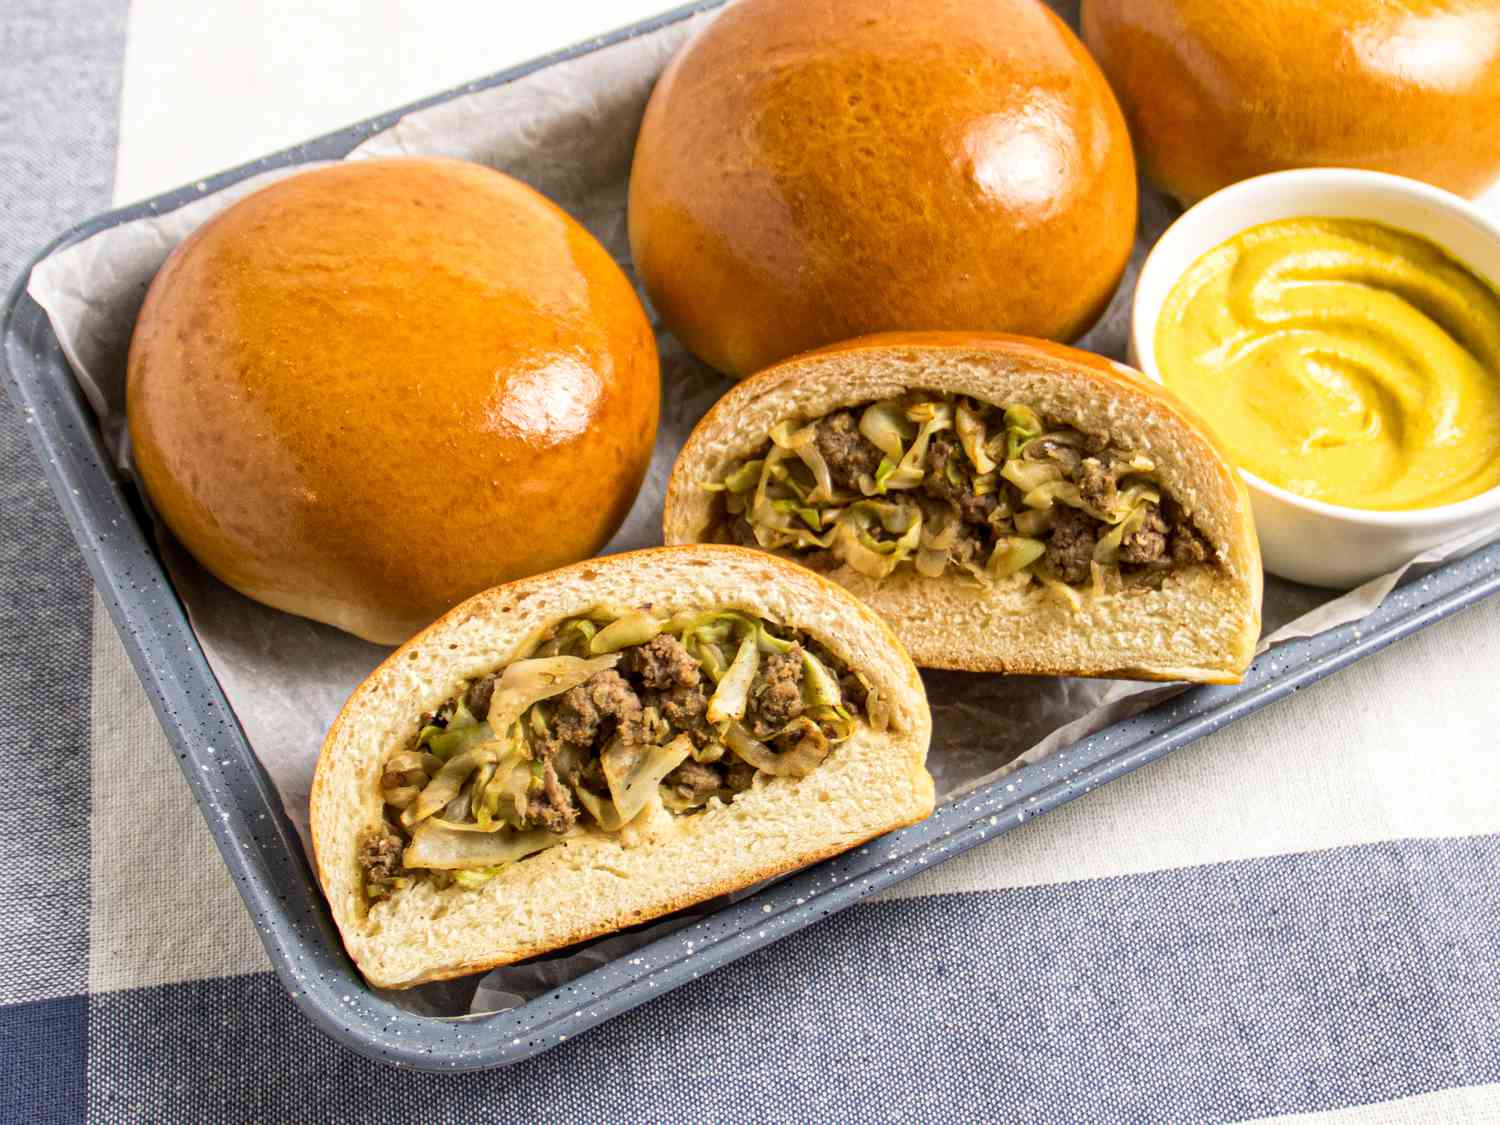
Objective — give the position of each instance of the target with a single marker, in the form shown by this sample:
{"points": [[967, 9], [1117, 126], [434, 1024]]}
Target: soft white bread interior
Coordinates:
{"points": [[1201, 625], [595, 883]]}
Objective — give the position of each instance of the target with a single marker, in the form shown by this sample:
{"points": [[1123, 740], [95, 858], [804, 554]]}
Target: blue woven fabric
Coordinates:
{"points": [[1215, 993]]}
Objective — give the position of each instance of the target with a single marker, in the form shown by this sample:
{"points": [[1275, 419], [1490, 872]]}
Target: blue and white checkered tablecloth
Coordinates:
{"points": [[1298, 917]]}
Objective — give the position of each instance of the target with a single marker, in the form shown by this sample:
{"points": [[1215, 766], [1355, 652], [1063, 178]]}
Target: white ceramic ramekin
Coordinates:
{"points": [[1301, 539]]}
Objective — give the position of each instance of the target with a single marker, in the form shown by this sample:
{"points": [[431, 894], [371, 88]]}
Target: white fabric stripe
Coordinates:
{"points": [[163, 908], [1403, 744], [209, 86], [1468, 1105]]}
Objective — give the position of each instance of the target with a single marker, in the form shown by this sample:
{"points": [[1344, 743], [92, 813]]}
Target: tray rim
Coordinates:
{"points": [[262, 850]]}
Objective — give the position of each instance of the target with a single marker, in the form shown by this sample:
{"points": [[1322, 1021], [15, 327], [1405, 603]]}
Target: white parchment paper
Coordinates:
{"points": [[568, 130]]}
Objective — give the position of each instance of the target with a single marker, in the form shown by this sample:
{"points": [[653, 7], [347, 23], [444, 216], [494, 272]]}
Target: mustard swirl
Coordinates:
{"points": [[1342, 360]]}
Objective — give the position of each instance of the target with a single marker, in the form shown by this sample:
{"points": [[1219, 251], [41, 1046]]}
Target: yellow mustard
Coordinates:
{"points": [[1342, 360]]}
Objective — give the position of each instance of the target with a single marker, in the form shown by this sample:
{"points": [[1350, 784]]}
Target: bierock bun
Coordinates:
{"points": [[1193, 614], [593, 882], [812, 170], [370, 390], [1217, 92]]}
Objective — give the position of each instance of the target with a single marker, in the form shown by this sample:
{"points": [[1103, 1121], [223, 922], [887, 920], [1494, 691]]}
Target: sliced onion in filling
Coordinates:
{"points": [[528, 681], [886, 427], [808, 753], [602, 809], [804, 443], [1013, 554], [634, 772], [626, 632], [441, 848], [445, 785], [971, 436], [732, 695]]}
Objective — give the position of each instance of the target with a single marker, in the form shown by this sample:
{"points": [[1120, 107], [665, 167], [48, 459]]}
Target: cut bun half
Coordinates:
{"points": [[1201, 624], [595, 883]]}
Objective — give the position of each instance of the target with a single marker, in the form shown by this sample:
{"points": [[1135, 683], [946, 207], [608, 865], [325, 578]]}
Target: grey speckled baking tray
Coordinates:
{"points": [[261, 848]]}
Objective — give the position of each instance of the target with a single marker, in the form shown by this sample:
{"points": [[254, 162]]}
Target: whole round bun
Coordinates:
{"points": [[811, 170], [1217, 92], [368, 391]]}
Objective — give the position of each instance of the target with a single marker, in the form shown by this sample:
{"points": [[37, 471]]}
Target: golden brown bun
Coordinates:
{"points": [[597, 882], [368, 391], [1201, 625], [1220, 90], [811, 170]]}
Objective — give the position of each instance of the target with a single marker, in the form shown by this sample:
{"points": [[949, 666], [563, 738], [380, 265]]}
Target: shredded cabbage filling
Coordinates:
{"points": [[606, 716], [943, 484]]}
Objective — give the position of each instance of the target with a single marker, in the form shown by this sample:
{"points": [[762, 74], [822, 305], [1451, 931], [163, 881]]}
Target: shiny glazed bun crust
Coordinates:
{"points": [[812, 170], [368, 391], [1220, 90]]}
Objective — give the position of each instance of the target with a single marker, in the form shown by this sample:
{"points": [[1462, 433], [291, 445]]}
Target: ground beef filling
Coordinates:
{"points": [[380, 857], [553, 808], [945, 455], [656, 692], [848, 454], [663, 663], [695, 782], [776, 693], [1165, 538], [606, 703], [1070, 546]]}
